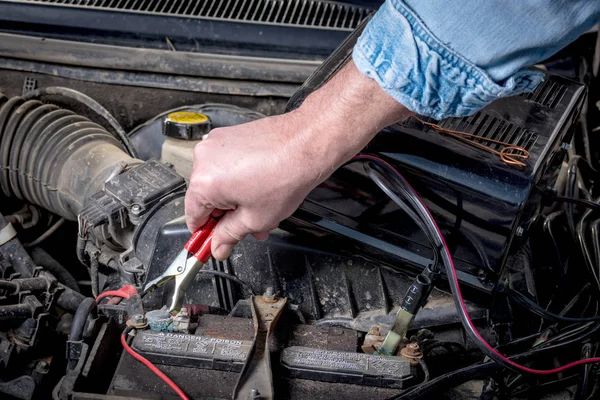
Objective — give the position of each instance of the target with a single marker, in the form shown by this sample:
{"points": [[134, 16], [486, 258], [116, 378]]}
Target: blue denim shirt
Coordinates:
{"points": [[443, 58]]}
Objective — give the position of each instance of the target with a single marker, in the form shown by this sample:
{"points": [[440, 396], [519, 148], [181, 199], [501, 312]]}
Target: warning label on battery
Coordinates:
{"points": [[345, 362], [191, 346]]}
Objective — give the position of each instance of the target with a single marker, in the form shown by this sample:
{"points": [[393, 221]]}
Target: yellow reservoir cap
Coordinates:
{"points": [[187, 117], [186, 125]]}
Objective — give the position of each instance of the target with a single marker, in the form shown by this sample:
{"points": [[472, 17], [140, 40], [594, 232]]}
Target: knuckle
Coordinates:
{"points": [[202, 182], [216, 131], [230, 231], [199, 149], [253, 223]]}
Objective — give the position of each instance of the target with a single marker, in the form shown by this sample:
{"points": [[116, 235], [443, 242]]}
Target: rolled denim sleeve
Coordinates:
{"points": [[443, 58]]}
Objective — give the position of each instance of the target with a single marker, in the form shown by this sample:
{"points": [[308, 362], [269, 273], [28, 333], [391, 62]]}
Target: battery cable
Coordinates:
{"points": [[448, 262]]}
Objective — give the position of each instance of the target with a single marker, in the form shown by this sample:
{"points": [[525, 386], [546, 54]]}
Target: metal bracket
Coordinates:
{"points": [[256, 379]]}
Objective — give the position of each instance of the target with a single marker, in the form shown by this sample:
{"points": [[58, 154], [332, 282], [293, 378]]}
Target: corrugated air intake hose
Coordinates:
{"points": [[53, 157]]}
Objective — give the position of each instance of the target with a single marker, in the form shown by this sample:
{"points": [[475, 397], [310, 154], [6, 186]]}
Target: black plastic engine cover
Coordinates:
{"points": [[480, 202]]}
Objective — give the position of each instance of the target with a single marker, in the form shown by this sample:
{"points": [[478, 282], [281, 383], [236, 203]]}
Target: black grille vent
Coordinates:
{"points": [[548, 94], [486, 126], [300, 13]]}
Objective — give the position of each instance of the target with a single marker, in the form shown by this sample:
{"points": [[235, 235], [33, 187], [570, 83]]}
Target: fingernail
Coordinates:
{"points": [[222, 251]]}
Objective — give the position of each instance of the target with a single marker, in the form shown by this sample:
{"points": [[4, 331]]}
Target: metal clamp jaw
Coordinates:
{"points": [[186, 265]]}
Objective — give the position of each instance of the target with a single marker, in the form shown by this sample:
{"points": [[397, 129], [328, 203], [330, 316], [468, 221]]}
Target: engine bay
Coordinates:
{"points": [[387, 282]]}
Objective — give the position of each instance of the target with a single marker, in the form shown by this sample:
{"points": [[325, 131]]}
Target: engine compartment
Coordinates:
{"points": [[92, 203]]}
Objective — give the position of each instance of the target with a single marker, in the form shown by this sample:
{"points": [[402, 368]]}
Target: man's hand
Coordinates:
{"points": [[255, 172], [255, 175]]}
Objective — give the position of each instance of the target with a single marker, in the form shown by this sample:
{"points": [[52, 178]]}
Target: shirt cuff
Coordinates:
{"points": [[414, 67]]}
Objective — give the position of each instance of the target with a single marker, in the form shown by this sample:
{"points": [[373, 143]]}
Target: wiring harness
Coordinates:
{"points": [[400, 187]]}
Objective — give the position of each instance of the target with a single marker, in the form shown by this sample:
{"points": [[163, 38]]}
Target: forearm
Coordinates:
{"points": [[343, 116]]}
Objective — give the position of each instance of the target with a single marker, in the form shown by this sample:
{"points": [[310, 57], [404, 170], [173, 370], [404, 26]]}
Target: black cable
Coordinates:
{"points": [[407, 209], [92, 105], [580, 202], [518, 341], [46, 234], [86, 307], [570, 192], [583, 385], [397, 180], [584, 166], [585, 253], [568, 334], [595, 232], [42, 258], [449, 380], [566, 338], [429, 345], [401, 185], [425, 370], [540, 311], [80, 249], [544, 388], [562, 266], [94, 274], [478, 371], [228, 276], [571, 304]]}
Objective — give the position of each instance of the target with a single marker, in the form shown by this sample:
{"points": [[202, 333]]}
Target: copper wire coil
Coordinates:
{"points": [[510, 154]]}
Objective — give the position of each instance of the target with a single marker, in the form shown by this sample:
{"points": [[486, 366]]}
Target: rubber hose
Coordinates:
{"points": [[12, 287], [53, 157], [91, 104], [43, 259], [37, 284], [69, 299], [15, 312], [14, 251], [79, 319]]}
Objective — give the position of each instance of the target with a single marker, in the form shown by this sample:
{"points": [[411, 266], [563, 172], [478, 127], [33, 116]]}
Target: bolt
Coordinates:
{"points": [[269, 295], [179, 269], [254, 394], [183, 313], [519, 232], [137, 320], [412, 352], [42, 366], [481, 275], [181, 322], [136, 208], [375, 331]]}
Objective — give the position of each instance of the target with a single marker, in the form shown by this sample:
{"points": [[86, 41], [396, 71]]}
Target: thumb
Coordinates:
{"points": [[229, 231]]}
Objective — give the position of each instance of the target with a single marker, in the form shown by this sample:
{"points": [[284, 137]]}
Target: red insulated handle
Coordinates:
{"points": [[199, 243], [204, 253]]}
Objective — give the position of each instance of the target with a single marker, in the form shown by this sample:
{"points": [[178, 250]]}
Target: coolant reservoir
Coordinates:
{"points": [[183, 130]]}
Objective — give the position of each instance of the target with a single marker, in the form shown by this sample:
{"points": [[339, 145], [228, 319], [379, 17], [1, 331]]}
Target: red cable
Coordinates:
{"points": [[125, 292], [152, 368], [462, 301]]}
